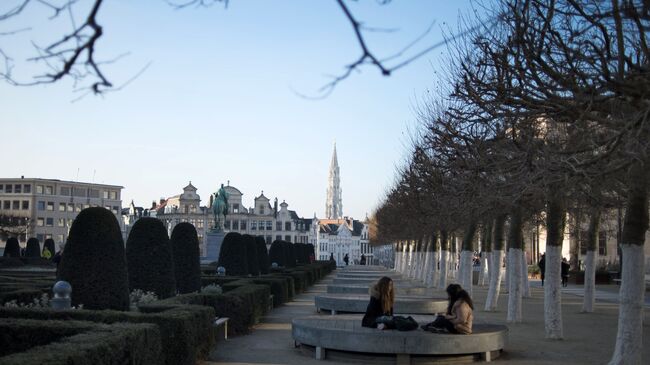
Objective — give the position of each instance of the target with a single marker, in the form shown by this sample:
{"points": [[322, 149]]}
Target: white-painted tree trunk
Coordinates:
{"points": [[629, 340], [506, 277], [525, 284], [514, 290], [590, 282], [552, 294], [435, 261], [465, 272], [404, 259], [426, 267], [495, 281], [483, 269], [421, 259], [488, 268], [444, 265], [411, 262]]}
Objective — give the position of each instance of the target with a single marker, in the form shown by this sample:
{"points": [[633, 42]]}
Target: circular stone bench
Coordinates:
{"points": [[368, 281], [368, 274], [363, 289], [345, 333], [363, 268], [358, 304]]}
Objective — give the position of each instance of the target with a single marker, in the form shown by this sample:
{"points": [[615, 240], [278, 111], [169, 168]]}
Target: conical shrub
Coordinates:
{"points": [[33, 248], [12, 248], [310, 251], [233, 255], [149, 258], [276, 253], [251, 255], [93, 261], [187, 262], [262, 255]]}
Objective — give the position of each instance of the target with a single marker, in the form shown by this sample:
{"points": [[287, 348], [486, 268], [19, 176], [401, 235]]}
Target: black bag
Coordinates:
{"points": [[405, 323], [438, 322]]}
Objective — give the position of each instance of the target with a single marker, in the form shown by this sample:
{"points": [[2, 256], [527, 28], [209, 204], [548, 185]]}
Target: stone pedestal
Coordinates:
{"points": [[213, 247]]}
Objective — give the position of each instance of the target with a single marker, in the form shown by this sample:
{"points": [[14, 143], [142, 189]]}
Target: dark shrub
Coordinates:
{"points": [[33, 248], [233, 255], [290, 254], [12, 248], [49, 244], [149, 258], [262, 255], [276, 253], [186, 254], [93, 261], [251, 255], [310, 252]]}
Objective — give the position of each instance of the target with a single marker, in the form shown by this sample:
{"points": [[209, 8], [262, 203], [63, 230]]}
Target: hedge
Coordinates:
{"points": [[20, 295], [291, 283], [12, 248], [262, 255], [33, 248], [252, 261], [187, 261], [186, 333], [34, 342], [255, 296], [279, 289], [232, 255]]}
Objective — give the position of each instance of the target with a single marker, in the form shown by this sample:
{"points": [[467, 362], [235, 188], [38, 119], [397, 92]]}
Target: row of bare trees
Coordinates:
{"points": [[545, 110]]}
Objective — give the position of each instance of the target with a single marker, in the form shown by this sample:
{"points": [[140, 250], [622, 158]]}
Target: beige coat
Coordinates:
{"points": [[462, 317]]}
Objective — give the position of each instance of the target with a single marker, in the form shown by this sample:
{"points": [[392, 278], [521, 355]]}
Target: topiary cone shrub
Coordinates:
{"points": [[262, 255], [276, 253], [311, 252], [93, 261], [149, 258], [187, 261], [49, 244], [33, 248], [232, 255], [12, 248], [251, 255], [290, 254]]}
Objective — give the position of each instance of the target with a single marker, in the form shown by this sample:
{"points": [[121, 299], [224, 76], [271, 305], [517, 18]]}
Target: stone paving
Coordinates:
{"points": [[589, 337]]}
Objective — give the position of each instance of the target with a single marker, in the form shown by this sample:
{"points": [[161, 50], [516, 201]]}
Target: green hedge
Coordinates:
{"points": [[20, 295], [291, 286], [186, 333], [33, 342], [279, 289], [255, 296]]}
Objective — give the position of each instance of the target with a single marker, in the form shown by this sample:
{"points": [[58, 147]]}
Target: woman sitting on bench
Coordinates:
{"points": [[382, 298], [459, 316]]}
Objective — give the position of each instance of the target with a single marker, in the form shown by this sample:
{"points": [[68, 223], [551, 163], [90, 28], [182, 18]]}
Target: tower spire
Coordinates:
{"points": [[334, 204]]}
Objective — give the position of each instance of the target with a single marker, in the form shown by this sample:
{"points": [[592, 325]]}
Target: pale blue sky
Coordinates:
{"points": [[217, 104]]}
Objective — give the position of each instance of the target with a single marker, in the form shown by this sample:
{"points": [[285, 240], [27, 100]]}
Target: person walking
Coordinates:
{"points": [[382, 299], [542, 266], [565, 272], [346, 259]]}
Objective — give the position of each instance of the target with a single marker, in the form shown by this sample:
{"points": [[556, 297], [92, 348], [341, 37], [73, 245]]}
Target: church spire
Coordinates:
{"points": [[334, 203]]}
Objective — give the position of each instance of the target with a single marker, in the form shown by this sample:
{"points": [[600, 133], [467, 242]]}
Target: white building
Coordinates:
{"points": [[334, 201], [338, 237]]}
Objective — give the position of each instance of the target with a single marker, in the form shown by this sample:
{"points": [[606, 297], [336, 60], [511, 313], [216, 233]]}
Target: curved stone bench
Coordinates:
{"points": [[363, 268], [363, 289], [345, 333], [358, 304], [368, 281], [368, 274]]}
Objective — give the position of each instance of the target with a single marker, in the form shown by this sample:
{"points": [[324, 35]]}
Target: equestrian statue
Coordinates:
{"points": [[219, 208]]}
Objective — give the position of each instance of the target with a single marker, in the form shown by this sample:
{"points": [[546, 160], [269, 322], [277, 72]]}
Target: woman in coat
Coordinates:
{"points": [[459, 316], [382, 298]]}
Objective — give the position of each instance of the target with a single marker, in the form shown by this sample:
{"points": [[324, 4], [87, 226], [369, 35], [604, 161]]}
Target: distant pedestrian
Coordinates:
{"points": [[363, 260], [346, 259], [542, 267], [331, 256], [565, 272]]}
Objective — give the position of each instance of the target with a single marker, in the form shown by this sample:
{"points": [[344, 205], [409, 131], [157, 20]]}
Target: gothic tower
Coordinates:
{"points": [[334, 203]]}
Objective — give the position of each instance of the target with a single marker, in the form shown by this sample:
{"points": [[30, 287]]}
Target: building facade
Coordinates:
{"points": [[338, 237], [47, 207]]}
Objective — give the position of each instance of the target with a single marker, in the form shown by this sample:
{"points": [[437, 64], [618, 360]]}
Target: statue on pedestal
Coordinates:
{"points": [[219, 208]]}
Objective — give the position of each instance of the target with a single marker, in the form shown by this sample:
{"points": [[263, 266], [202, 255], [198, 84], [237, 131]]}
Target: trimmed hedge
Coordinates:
{"points": [[149, 258], [262, 255], [255, 296], [291, 286], [251, 255], [33, 248], [232, 255], [187, 261], [276, 253], [186, 332], [93, 261], [12, 248], [72, 342], [279, 289], [20, 295]]}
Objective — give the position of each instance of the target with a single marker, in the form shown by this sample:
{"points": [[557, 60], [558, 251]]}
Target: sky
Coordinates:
{"points": [[219, 99]]}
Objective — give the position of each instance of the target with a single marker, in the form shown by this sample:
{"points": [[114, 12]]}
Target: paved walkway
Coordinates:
{"points": [[589, 338]]}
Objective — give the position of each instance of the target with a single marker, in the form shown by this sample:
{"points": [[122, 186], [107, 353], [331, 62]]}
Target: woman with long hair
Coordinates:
{"points": [[459, 316], [382, 298]]}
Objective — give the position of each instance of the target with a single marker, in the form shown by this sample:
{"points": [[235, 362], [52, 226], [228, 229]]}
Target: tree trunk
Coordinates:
{"points": [[466, 255], [444, 259], [525, 284], [426, 267], [497, 261], [486, 251], [629, 339], [515, 238], [590, 262], [555, 222]]}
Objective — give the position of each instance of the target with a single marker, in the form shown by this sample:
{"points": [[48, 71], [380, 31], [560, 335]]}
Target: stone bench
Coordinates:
{"points": [[363, 289], [358, 303], [368, 274], [363, 268], [345, 333], [368, 281]]}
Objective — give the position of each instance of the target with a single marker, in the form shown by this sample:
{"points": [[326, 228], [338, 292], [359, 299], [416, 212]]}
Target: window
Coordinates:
{"points": [[49, 222], [268, 240], [70, 207], [116, 209], [65, 190], [39, 189], [9, 188], [18, 188], [78, 191], [278, 226], [25, 204], [253, 225], [49, 190], [199, 223], [61, 222], [2, 188], [287, 238], [40, 222], [278, 238], [79, 208], [93, 193], [40, 205], [15, 205], [269, 225], [235, 208], [261, 209], [27, 188], [226, 224], [6, 205], [59, 238], [40, 237], [105, 194], [62, 207], [114, 195], [602, 243], [287, 226], [50, 206], [242, 225]]}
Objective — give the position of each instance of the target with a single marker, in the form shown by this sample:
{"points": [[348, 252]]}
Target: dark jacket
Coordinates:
{"points": [[374, 309], [565, 268]]}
